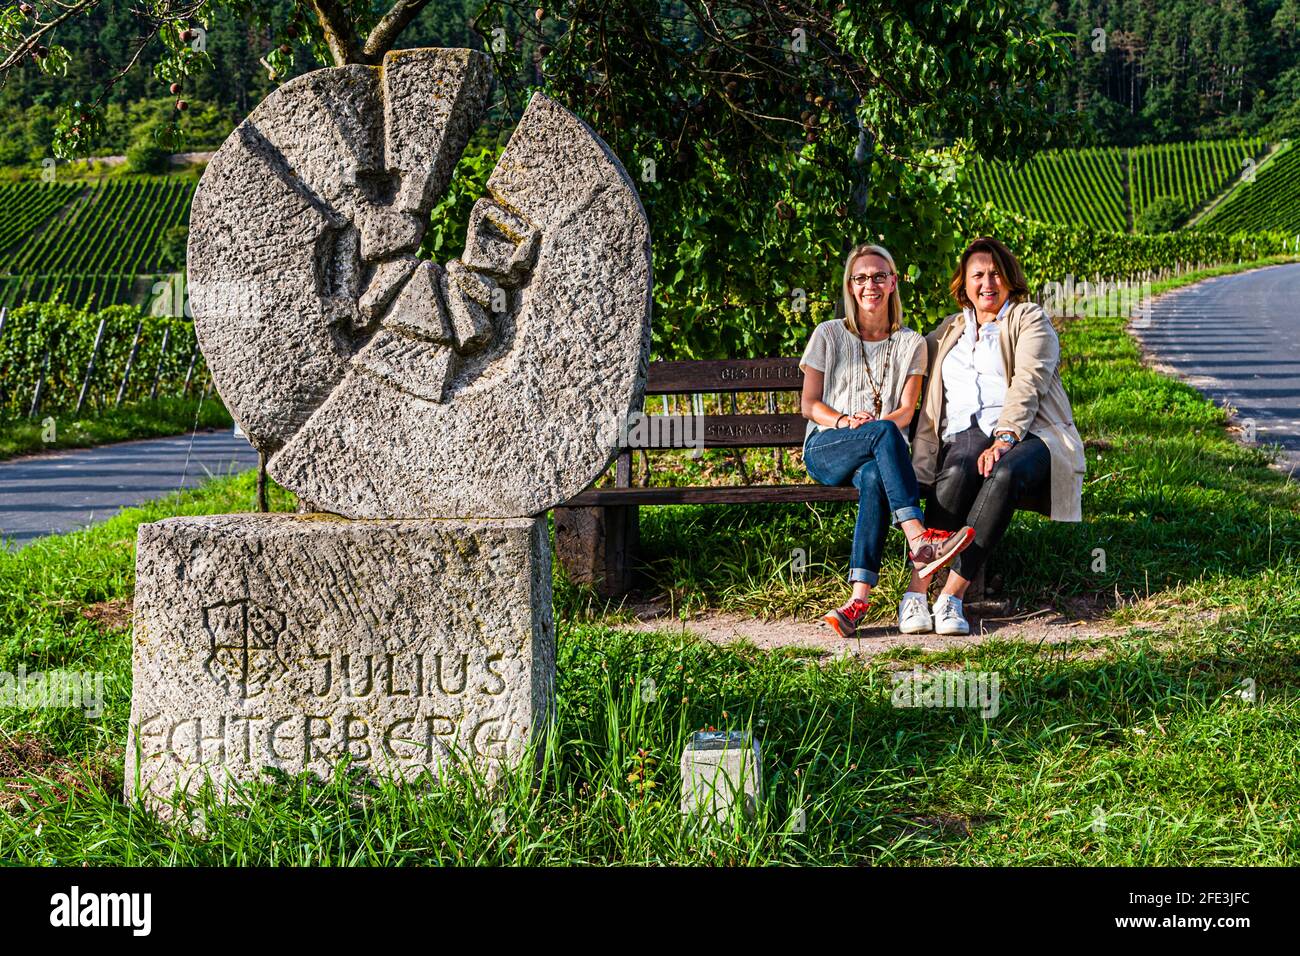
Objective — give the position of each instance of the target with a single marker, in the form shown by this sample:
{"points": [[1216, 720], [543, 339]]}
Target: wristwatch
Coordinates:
{"points": [[1008, 437]]}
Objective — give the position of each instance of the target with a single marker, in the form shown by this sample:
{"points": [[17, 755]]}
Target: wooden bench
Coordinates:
{"points": [[597, 531]]}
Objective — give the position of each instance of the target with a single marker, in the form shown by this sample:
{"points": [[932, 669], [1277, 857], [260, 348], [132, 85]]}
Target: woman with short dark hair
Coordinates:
{"points": [[996, 431]]}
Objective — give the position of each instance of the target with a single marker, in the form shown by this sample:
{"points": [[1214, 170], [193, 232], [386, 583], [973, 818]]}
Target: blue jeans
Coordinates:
{"points": [[876, 458]]}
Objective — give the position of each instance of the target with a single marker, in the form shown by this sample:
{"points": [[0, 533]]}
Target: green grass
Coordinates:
{"points": [[147, 419], [1134, 749], [1183, 769]]}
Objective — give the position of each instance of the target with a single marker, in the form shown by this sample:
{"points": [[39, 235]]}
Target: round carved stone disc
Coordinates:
{"points": [[384, 386]]}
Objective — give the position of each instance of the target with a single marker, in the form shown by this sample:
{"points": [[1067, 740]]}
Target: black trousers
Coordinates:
{"points": [[962, 496]]}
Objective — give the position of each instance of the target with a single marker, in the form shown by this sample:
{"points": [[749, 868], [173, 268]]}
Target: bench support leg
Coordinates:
{"points": [[598, 546]]}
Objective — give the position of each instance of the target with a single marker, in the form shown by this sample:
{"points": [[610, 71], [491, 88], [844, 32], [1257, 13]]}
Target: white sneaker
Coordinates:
{"points": [[948, 618], [914, 614]]}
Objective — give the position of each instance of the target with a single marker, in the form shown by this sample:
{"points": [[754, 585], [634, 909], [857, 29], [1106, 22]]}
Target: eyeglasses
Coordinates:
{"points": [[877, 278]]}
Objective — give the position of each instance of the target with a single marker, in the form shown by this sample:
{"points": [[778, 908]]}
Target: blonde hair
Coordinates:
{"points": [[851, 304]]}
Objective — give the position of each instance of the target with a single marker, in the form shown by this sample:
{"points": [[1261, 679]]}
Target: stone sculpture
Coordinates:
{"points": [[380, 386], [448, 405]]}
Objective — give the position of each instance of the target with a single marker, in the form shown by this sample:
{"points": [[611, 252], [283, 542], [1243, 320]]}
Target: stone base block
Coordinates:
{"points": [[288, 641]]}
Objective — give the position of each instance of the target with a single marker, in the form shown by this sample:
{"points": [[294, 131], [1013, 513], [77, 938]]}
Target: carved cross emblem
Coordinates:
{"points": [[243, 651]]}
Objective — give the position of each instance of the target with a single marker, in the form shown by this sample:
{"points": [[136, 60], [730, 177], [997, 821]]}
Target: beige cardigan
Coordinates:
{"points": [[1035, 401]]}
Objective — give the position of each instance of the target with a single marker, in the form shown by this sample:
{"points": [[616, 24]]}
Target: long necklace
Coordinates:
{"points": [[877, 388]]}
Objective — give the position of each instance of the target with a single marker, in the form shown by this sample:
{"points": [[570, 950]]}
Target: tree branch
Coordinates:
{"points": [[117, 77], [386, 31], [24, 48], [340, 34]]}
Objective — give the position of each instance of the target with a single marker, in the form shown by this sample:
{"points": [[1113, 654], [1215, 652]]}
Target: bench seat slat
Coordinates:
{"points": [[777, 430]]}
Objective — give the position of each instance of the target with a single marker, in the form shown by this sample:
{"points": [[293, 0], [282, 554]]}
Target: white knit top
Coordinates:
{"points": [[837, 353]]}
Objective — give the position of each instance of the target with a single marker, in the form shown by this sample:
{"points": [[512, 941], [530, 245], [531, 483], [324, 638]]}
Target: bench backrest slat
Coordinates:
{"points": [[725, 375], [717, 431]]}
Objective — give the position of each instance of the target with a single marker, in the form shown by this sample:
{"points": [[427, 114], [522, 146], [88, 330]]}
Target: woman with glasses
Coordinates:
{"points": [[862, 379]]}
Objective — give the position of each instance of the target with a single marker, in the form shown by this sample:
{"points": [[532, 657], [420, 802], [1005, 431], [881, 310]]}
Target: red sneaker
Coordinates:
{"points": [[844, 620], [937, 548]]}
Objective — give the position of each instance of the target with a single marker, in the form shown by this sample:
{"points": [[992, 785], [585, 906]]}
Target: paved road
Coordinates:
{"points": [[1237, 339], [48, 494]]}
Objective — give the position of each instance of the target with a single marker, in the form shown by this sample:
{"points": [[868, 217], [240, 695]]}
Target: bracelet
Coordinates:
{"points": [[837, 421]]}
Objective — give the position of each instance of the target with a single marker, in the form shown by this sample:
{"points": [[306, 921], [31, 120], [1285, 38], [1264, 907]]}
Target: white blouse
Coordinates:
{"points": [[974, 378]]}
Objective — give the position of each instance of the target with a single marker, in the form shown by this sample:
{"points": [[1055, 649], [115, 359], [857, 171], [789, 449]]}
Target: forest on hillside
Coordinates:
{"points": [[1155, 71], [138, 104], [1147, 71]]}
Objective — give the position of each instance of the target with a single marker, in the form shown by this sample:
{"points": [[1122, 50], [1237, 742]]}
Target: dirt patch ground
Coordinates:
{"points": [[25, 756], [110, 615], [988, 620]]}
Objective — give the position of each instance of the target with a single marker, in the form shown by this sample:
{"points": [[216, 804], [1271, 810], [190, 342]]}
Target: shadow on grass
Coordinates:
{"points": [[1183, 767]]}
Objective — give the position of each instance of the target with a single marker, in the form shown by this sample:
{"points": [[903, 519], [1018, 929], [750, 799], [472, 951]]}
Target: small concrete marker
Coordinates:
{"points": [[719, 768]]}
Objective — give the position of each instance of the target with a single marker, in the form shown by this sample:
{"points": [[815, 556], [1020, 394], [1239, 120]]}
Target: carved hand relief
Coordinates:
{"points": [[383, 385]]}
